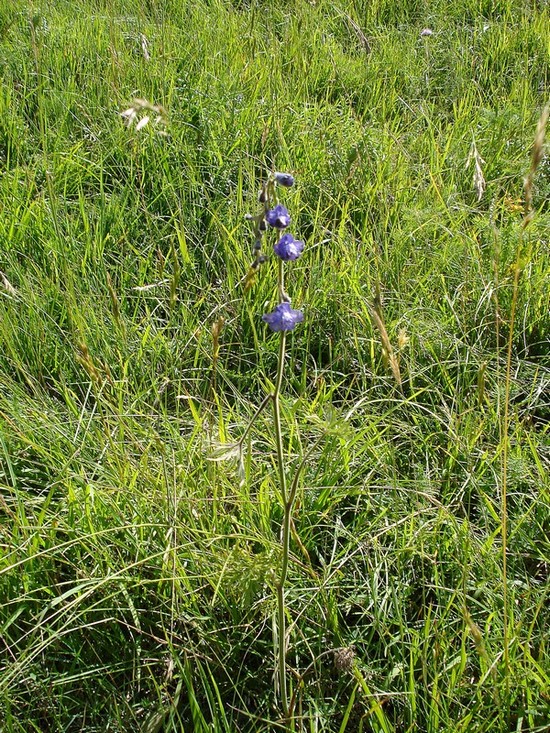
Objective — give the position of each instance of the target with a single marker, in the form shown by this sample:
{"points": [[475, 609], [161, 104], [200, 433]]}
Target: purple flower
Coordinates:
{"points": [[279, 218], [283, 318], [288, 248], [284, 179]]}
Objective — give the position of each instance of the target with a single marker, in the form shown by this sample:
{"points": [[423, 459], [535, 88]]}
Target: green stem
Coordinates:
{"points": [[504, 495], [281, 286], [281, 630], [281, 616]]}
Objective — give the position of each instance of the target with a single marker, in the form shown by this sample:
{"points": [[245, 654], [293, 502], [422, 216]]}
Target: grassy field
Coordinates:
{"points": [[137, 577]]}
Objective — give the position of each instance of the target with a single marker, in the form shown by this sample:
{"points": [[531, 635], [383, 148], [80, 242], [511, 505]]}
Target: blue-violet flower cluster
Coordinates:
{"points": [[276, 216]]}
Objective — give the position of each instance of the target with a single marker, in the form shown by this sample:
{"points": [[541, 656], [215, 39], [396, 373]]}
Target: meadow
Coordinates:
{"points": [[137, 575]]}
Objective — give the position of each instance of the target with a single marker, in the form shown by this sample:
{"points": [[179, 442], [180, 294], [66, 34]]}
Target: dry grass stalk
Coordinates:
{"points": [[478, 179], [536, 157], [145, 47], [388, 354], [8, 287]]}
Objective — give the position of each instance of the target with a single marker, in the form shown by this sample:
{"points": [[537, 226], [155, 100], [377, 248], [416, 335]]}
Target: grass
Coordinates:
{"points": [[137, 578]]}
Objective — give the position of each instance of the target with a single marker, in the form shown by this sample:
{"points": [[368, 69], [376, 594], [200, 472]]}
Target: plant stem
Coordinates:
{"points": [[287, 502], [277, 416], [536, 157], [281, 287], [285, 534], [504, 490]]}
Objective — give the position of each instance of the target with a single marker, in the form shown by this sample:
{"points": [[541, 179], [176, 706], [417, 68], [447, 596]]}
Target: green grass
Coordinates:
{"points": [[137, 578]]}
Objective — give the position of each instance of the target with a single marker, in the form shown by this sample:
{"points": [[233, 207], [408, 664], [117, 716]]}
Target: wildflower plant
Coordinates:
{"points": [[274, 218]]}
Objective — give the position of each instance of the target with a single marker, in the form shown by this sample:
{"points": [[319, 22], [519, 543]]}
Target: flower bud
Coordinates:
{"points": [[284, 179]]}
